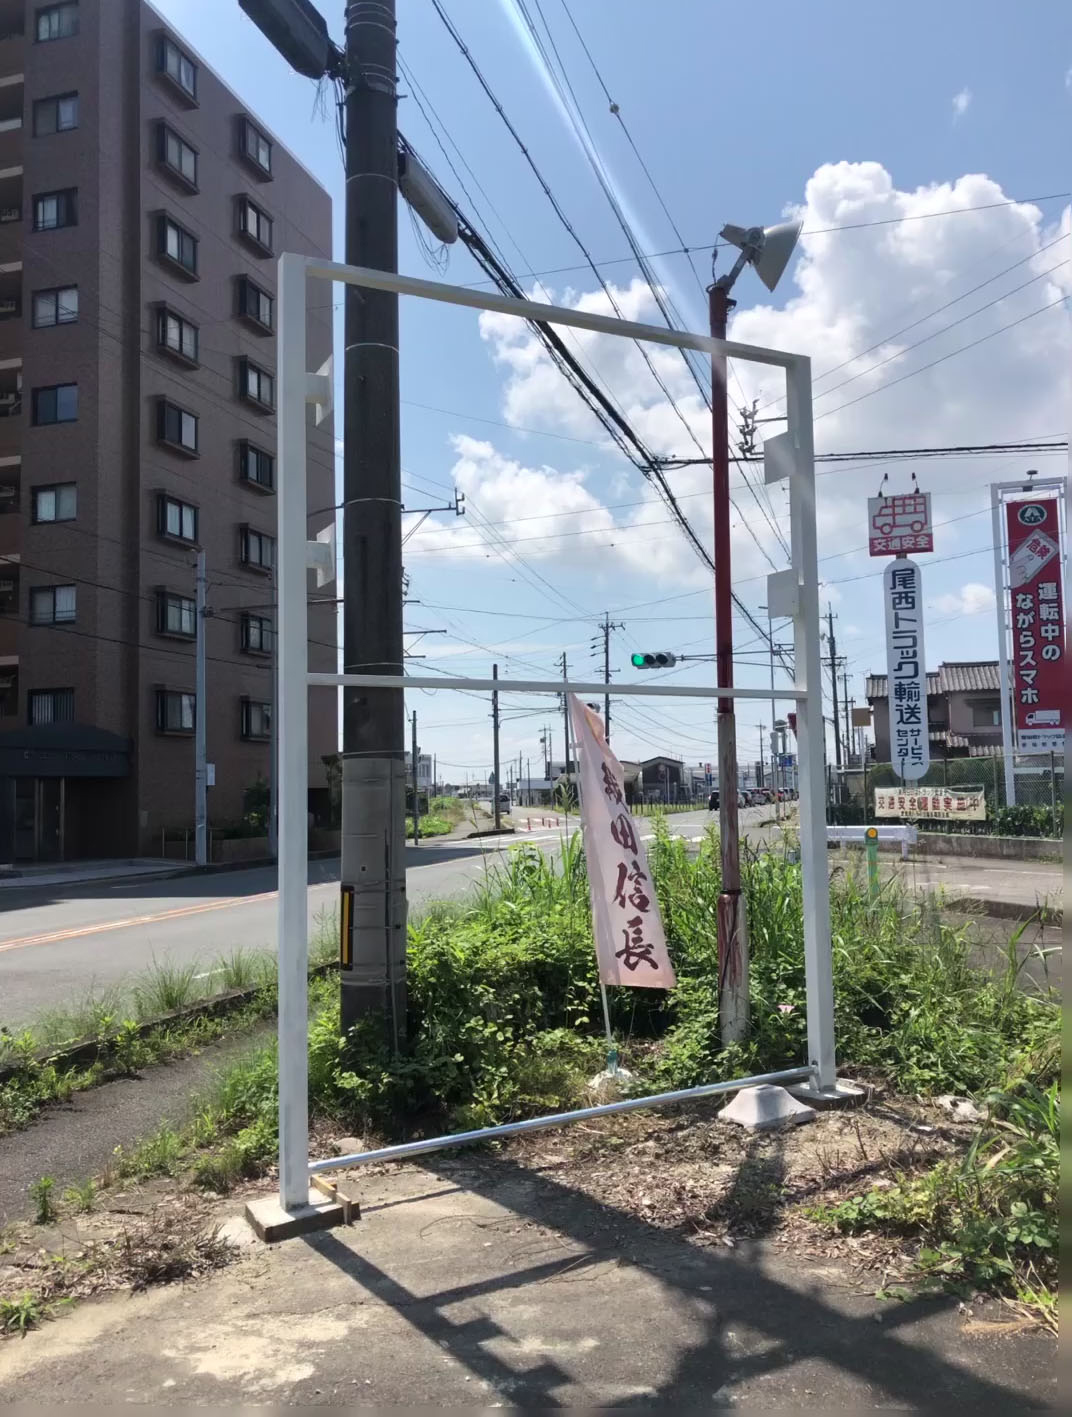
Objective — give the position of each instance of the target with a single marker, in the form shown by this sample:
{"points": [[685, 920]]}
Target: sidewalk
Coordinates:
{"points": [[477, 1282], [87, 872]]}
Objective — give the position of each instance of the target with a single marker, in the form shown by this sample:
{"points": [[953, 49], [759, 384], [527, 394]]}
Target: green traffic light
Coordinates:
{"points": [[638, 661]]}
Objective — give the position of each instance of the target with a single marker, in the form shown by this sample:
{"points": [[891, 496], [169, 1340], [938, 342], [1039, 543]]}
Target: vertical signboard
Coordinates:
{"points": [[906, 667], [1037, 624]]}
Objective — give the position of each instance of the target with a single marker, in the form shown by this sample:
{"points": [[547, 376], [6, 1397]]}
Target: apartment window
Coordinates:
{"points": [[256, 719], [255, 224], [176, 244], [258, 550], [255, 147], [58, 404], [176, 426], [52, 604], [55, 115], [55, 209], [57, 306], [176, 155], [176, 615], [9, 588], [57, 21], [177, 335], [174, 711], [258, 634], [254, 303], [256, 466], [986, 714], [176, 519], [50, 706], [256, 384], [55, 504], [177, 66]]}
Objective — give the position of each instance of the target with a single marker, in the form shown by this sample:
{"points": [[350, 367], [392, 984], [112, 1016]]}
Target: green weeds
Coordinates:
{"points": [[988, 1220]]}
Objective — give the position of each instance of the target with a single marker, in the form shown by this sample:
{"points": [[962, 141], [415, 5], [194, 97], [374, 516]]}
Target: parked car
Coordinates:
{"points": [[712, 801]]}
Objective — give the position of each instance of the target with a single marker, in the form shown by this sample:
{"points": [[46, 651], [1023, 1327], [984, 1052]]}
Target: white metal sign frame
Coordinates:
{"points": [[794, 592]]}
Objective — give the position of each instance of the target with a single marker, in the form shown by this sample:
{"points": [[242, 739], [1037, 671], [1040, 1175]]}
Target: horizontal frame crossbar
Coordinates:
{"points": [[549, 686], [547, 314], [554, 1119]]}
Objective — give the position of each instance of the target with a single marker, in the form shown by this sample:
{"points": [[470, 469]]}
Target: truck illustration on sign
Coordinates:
{"points": [[899, 524]]}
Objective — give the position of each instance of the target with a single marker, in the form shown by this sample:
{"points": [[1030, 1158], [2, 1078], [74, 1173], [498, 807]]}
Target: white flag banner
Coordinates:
{"points": [[626, 924]]}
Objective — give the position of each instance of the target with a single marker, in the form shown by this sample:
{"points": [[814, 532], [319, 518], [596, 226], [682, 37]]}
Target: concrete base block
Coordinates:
{"points": [[272, 1222], [843, 1094], [765, 1107]]}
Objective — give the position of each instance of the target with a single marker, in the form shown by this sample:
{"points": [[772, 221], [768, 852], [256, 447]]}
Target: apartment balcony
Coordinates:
{"points": [[12, 37], [11, 324], [10, 514], [11, 412], [11, 134]]}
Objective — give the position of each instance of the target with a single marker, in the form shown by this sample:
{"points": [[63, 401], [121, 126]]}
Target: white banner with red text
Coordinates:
{"points": [[626, 925]]}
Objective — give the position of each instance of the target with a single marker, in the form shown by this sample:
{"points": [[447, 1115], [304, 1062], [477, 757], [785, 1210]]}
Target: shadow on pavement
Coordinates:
{"points": [[756, 1325]]}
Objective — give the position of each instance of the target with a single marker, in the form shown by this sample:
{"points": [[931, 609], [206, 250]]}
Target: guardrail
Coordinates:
{"points": [[857, 836]]}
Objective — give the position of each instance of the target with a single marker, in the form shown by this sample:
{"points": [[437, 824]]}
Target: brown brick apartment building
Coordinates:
{"points": [[141, 211]]}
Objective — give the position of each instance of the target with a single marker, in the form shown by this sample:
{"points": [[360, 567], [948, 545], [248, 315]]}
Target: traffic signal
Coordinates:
{"points": [[661, 659]]}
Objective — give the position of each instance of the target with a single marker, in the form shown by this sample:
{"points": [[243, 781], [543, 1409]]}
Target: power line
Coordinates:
{"points": [[942, 359], [686, 250]]}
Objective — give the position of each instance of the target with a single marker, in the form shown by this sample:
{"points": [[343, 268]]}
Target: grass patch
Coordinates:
{"points": [[112, 1021], [432, 825], [989, 1220]]}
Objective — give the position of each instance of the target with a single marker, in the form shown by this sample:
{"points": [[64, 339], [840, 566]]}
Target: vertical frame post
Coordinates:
{"points": [[1007, 711], [293, 710], [811, 737]]}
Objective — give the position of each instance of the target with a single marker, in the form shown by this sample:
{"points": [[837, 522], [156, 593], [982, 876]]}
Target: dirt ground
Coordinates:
{"points": [[682, 1171]]}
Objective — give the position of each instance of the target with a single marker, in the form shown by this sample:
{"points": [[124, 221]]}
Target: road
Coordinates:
{"points": [[56, 948]]}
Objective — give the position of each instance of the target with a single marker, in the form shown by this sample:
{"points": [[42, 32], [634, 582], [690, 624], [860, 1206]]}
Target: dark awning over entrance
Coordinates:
{"points": [[63, 750]]}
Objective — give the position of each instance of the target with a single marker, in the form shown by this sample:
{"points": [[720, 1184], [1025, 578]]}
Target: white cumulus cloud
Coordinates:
{"points": [[961, 103], [972, 599]]}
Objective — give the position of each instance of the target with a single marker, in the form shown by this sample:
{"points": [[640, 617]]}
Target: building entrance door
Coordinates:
{"points": [[39, 818]]}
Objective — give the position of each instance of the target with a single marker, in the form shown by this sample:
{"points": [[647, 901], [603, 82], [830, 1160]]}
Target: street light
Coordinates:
{"points": [[768, 249]]}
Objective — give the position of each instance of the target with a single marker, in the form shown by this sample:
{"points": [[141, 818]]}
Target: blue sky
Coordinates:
{"points": [[854, 114]]}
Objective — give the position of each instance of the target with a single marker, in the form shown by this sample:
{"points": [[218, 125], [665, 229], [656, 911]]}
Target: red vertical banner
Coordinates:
{"points": [[1037, 649]]}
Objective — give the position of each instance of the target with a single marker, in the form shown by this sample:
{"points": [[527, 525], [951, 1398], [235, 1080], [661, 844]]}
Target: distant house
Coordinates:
{"points": [[663, 779], [963, 710]]}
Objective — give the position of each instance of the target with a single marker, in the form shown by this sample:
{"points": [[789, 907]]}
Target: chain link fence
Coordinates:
{"points": [[1038, 809]]}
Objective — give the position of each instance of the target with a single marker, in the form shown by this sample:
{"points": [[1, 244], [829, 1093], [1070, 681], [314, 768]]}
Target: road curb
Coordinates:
{"points": [[181, 872]]}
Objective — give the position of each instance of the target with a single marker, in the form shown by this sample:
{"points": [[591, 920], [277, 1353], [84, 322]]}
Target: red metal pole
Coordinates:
{"points": [[732, 923]]}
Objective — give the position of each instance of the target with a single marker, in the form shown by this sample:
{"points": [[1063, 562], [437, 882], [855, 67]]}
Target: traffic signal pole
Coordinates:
{"points": [[373, 755], [732, 920]]}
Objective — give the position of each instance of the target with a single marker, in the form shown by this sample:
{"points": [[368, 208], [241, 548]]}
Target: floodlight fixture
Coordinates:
{"points": [[768, 248]]}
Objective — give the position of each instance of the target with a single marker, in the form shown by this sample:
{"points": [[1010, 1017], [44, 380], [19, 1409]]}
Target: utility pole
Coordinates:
{"points": [[830, 617], [565, 714], [200, 723], [733, 1005], [495, 749], [606, 628], [762, 763], [416, 785], [373, 738], [847, 712]]}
